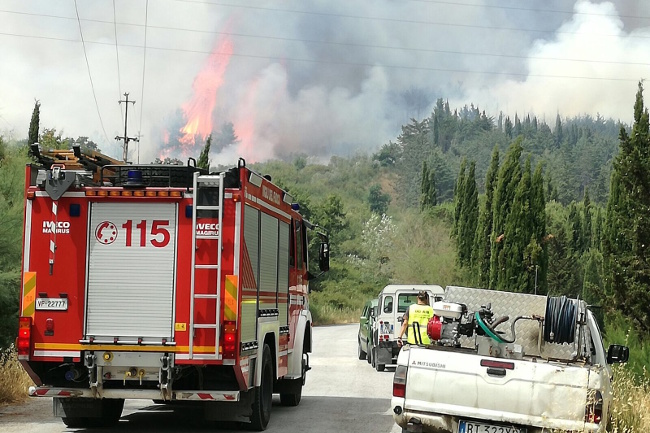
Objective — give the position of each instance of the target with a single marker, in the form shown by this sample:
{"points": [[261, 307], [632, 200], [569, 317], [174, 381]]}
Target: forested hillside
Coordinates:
{"points": [[459, 197]]}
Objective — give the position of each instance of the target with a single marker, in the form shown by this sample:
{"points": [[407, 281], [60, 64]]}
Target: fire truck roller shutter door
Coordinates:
{"points": [[131, 263], [249, 274]]}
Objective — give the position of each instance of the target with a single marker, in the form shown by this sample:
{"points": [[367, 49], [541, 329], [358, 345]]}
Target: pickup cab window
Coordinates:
{"points": [[404, 300]]}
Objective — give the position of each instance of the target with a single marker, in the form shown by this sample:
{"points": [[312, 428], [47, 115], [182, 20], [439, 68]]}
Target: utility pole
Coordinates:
{"points": [[126, 138]]}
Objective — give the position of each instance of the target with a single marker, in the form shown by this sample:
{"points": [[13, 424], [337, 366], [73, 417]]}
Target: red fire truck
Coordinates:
{"points": [[166, 283]]}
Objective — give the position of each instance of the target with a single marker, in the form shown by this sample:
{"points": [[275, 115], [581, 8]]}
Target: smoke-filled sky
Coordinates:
{"points": [[317, 77]]}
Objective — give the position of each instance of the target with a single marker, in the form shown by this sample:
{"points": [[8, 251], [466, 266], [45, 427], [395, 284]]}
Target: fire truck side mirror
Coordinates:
{"points": [[324, 257]]}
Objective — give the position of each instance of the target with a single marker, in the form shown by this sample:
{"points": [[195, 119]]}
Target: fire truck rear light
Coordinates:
{"points": [[31, 195], [102, 193], [91, 192], [163, 193], [114, 193], [24, 335], [138, 193], [49, 325], [127, 193], [150, 193], [236, 197], [229, 339], [175, 194]]}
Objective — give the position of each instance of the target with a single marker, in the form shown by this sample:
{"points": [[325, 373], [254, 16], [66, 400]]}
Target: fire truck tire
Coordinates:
{"points": [[111, 410], [263, 394], [293, 397]]}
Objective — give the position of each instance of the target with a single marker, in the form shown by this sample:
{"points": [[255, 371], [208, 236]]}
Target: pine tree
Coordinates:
{"points": [[508, 180], [34, 124], [482, 247], [626, 245], [204, 158]]}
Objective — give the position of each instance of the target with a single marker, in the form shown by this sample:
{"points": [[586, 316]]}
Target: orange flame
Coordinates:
{"points": [[198, 111]]}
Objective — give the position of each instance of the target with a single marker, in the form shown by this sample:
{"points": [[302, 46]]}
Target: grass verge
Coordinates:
{"points": [[14, 381]]}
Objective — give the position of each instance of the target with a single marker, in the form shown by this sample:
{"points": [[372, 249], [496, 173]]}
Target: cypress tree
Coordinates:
{"points": [[587, 223], [204, 157], [459, 196], [538, 216], [469, 218], [513, 270], [424, 187], [626, 246], [508, 180], [433, 189], [482, 244], [34, 124]]}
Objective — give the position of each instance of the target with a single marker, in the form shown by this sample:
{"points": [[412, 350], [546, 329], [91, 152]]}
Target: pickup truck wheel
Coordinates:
{"points": [[372, 358], [360, 351], [263, 394], [379, 367]]}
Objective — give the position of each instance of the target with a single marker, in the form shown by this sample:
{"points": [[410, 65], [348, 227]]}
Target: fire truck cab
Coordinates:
{"points": [[163, 282]]}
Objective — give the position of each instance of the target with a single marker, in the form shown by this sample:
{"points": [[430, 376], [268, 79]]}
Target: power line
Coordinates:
{"points": [[144, 65], [515, 8], [184, 50], [327, 62], [361, 17], [345, 44], [89, 74], [117, 56]]}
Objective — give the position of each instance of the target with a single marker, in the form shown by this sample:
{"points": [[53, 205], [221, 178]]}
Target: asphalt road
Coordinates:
{"points": [[342, 394]]}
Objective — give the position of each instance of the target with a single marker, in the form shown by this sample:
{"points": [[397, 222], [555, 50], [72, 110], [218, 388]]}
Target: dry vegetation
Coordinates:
{"points": [[14, 381], [631, 406]]}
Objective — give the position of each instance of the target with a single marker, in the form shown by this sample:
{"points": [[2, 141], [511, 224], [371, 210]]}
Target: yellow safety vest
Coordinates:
{"points": [[421, 314]]}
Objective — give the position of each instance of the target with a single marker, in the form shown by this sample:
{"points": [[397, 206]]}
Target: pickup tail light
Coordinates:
{"points": [[24, 337], [594, 409], [399, 381]]}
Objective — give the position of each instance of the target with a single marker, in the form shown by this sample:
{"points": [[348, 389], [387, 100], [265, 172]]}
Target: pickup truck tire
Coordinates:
{"points": [[360, 352], [380, 367], [263, 397], [369, 355]]}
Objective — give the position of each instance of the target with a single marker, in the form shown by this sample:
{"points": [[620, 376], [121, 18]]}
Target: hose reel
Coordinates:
{"points": [[560, 320]]}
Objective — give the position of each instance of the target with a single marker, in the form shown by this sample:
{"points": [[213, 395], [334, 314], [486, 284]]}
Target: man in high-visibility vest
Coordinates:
{"points": [[420, 313]]}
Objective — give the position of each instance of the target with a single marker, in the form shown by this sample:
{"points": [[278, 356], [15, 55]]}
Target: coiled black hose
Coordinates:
{"points": [[560, 320]]}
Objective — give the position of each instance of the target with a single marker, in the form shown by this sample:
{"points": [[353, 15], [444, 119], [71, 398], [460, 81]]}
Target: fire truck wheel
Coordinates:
{"points": [[263, 394], [293, 397], [111, 410]]}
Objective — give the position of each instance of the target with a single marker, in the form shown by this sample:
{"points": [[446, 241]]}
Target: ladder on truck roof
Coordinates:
{"points": [[202, 201]]}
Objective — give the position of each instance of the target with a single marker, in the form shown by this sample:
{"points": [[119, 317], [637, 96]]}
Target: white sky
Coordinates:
{"points": [[321, 77]]}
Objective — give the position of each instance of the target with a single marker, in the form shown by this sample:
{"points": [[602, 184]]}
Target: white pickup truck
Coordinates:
{"points": [[546, 371]]}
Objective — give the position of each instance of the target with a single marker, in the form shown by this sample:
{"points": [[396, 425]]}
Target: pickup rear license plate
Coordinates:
{"points": [[56, 304], [479, 427]]}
